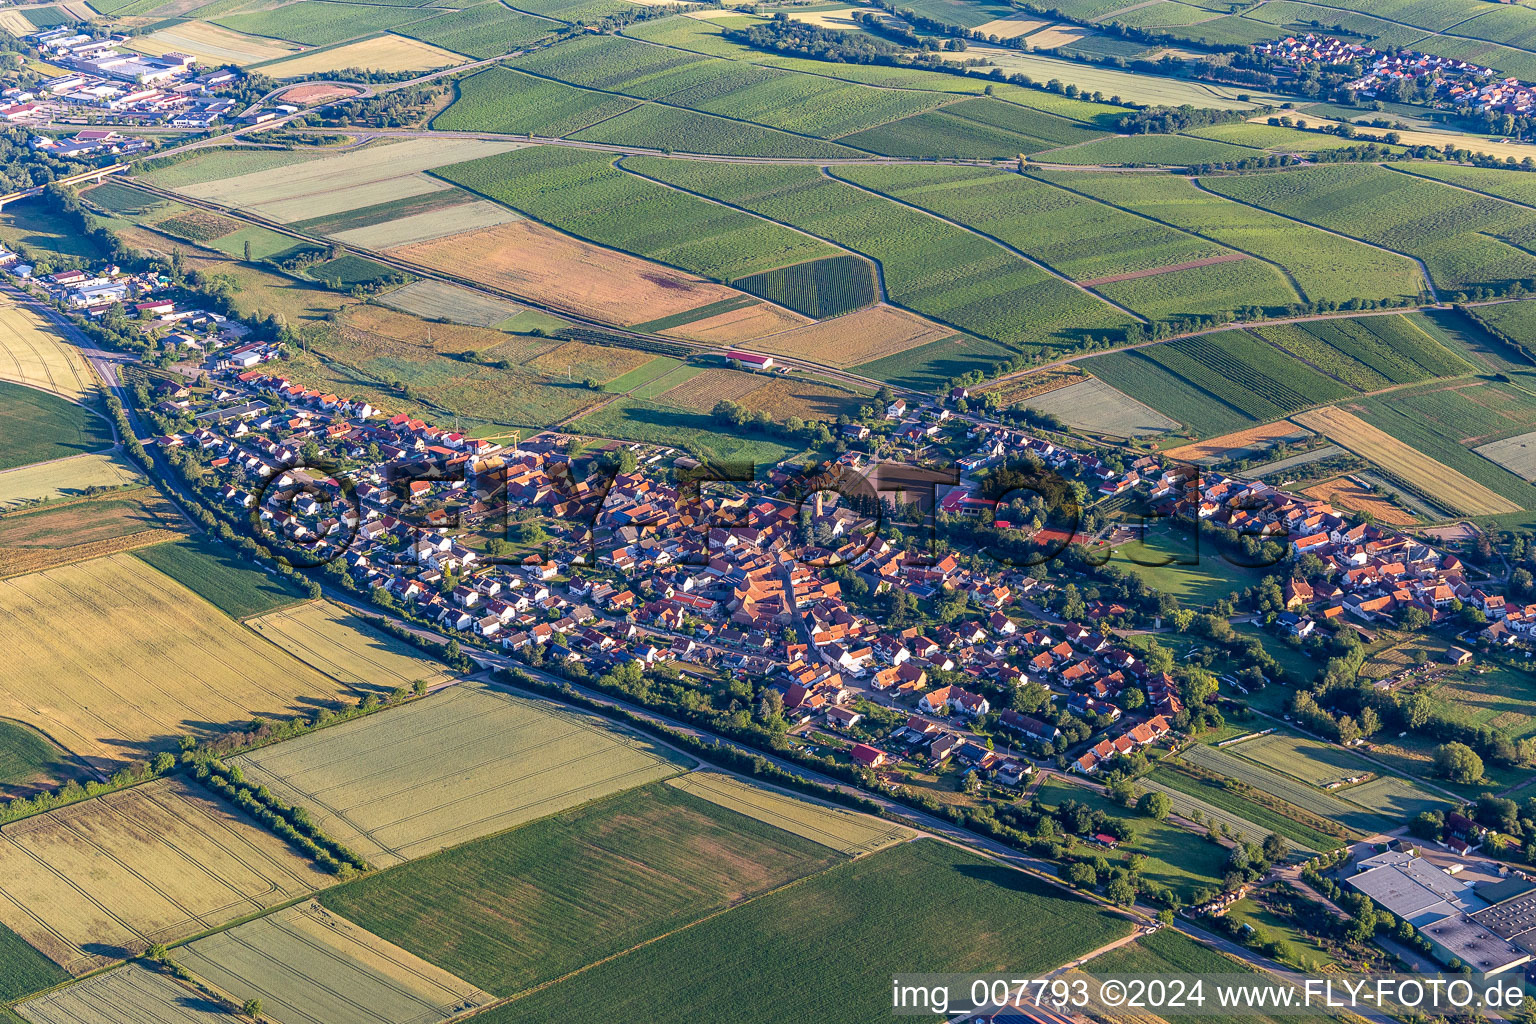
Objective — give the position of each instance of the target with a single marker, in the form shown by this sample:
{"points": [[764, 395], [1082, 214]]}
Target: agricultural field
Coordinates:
{"points": [[582, 193], [320, 23], [932, 267], [1464, 239], [1396, 798], [220, 576], [927, 367], [579, 359], [747, 322], [1186, 805], [700, 392], [371, 176], [349, 270], [212, 45], [99, 881], [32, 352], [1201, 413], [460, 764], [309, 965], [1094, 405], [132, 992], [161, 662], [48, 536], [530, 260], [837, 827], [1169, 952], [30, 762], [1254, 439], [1351, 495], [520, 909], [1317, 764], [1368, 353], [499, 99], [484, 30], [439, 300], [861, 337], [1142, 150], [372, 346], [689, 131], [442, 215], [64, 479], [388, 53], [1441, 483], [809, 400], [802, 938], [213, 164], [819, 289], [1516, 454], [1290, 823], [1245, 373], [1286, 788], [1515, 321], [333, 640], [1012, 391], [1153, 269]]}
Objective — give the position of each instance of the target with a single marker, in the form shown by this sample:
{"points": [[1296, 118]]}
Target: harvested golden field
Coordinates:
{"points": [[580, 360], [536, 262], [338, 643], [373, 331], [860, 337], [836, 827], [700, 392], [32, 352], [1011, 28], [1347, 493], [383, 53], [212, 45], [101, 880], [133, 992], [306, 963], [64, 478], [113, 659], [784, 397], [12, 21], [41, 538], [1253, 438], [465, 762], [743, 324], [1018, 389], [1441, 483], [1057, 35], [325, 185]]}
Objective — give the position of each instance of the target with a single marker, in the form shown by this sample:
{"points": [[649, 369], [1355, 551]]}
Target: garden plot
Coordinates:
{"points": [[101, 880], [308, 965], [369, 176], [440, 300], [460, 764], [114, 659]]}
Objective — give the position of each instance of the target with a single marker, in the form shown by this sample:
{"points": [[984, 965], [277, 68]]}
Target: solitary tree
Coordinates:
{"points": [[252, 1009]]}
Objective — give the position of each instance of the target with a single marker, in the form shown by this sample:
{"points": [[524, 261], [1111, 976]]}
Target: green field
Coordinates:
{"points": [[527, 906], [819, 289], [1464, 239], [982, 127], [349, 270], [1197, 574], [1316, 764], [1395, 798], [23, 970], [1214, 793], [638, 419], [321, 23], [1202, 412], [40, 427], [1169, 952], [583, 193], [1137, 150], [1367, 353], [221, 576], [213, 164], [484, 30], [1287, 788], [932, 267], [1245, 373], [658, 127], [29, 759], [501, 100], [808, 953]]}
